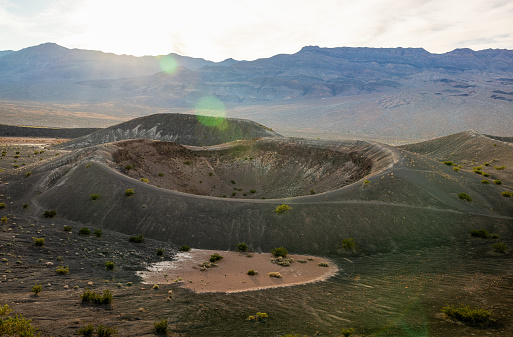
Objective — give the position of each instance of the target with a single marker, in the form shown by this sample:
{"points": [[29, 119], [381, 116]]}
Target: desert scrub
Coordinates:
{"points": [[155, 287], [39, 241], [62, 270], [282, 208], [500, 247], [129, 192], [50, 213], [260, 317], [4, 219], [507, 194], [448, 162], [105, 331], [160, 251], [36, 289], [280, 251], [486, 174], [2, 205], [84, 231], [109, 265], [184, 248], [323, 264], [500, 168], [242, 247], [145, 180], [456, 168], [25, 205], [136, 239], [484, 181], [95, 196], [251, 272], [347, 332], [15, 326], [98, 233], [187, 162], [67, 228], [93, 297], [274, 274], [86, 331], [480, 233], [160, 327], [467, 315], [349, 244], [252, 191], [161, 174], [215, 257], [464, 196], [497, 182]]}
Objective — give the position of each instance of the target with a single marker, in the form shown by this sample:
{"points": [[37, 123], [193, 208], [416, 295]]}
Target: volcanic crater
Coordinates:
{"points": [[249, 169]]}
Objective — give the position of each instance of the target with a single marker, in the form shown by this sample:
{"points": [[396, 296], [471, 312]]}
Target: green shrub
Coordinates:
{"points": [[4, 219], [15, 326], [105, 331], [129, 192], [155, 287], [252, 191], [494, 236], [282, 208], [28, 174], [109, 265], [251, 272], [500, 247], [323, 264], [62, 270], [347, 332], [349, 244], [484, 181], [486, 174], [39, 241], [160, 252], [67, 228], [145, 180], [280, 251], [93, 297], [500, 168], [242, 247], [95, 196], [486, 164], [37, 289], [507, 194], [25, 205], [215, 257], [161, 327], [497, 182], [84, 231], [233, 182], [50, 213], [456, 168], [448, 162], [467, 315], [161, 174], [184, 248], [187, 162], [312, 192], [129, 167], [262, 316], [480, 233], [2, 205], [98, 233], [136, 239], [464, 196], [86, 331]]}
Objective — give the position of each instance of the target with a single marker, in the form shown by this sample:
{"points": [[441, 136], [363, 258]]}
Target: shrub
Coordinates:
{"points": [[84, 231], [480, 233], [486, 174], [50, 213], [486, 164], [274, 274], [39, 241], [500, 168], [37, 289], [136, 239], [467, 315], [507, 194], [494, 236], [280, 251], [282, 208], [15, 326], [93, 297], [215, 257], [500, 247], [129, 192], [497, 182], [128, 167], [95, 196], [184, 248], [86, 331], [155, 287], [252, 191], [161, 327], [210, 174], [261, 316], [4, 219], [161, 174], [456, 168], [62, 270], [347, 332], [242, 247], [349, 244], [2, 205], [187, 162], [160, 252], [109, 265], [251, 272], [448, 162], [98, 233], [25, 205], [28, 174], [323, 264], [484, 181], [67, 228], [145, 180], [105, 331], [464, 196], [312, 192]]}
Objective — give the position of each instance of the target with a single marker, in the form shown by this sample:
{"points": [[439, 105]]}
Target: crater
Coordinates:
{"points": [[265, 168]]}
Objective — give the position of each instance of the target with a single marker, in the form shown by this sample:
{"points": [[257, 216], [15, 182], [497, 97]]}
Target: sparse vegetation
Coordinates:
{"points": [[280, 251], [50, 213], [25, 205], [4, 219], [95, 196], [500, 247], [129, 167], [62, 270], [347, 332], [507, 194], [323, 264], [145, 180], [500, 168], [251, 272], [136, 239], [67, 228], [161, 327], [497, 182], [252, 191], [84, 231], [160, 251], [105, 331], [242, 247], [215, 257], [86, 331], [15, 326], [349, 244], [93, 297], [282, 208], [448, 162], [467, 315], [184, 248], [480, 233], [484, 181], [36, 289], [464, 196], [98, 233], [161, 174], [129, 192], [109, 265], [39, 241]]}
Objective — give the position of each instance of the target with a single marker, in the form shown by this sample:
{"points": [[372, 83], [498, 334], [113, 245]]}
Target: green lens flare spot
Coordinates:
{"points": [[210, 111], [168, 64]]}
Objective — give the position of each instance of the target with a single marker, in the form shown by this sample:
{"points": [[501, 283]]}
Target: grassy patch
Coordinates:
{"points": [[467, 315], [500, 247], [480, 233]]}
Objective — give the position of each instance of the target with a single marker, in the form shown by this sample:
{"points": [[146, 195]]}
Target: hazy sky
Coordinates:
{"points": [[250, 29]]}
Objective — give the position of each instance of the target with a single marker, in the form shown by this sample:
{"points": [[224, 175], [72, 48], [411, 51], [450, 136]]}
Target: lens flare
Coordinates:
{"points": [[168, 64], [210, 111]]}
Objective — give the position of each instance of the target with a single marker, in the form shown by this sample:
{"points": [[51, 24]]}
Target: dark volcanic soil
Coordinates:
{"points": [[248, 169]]}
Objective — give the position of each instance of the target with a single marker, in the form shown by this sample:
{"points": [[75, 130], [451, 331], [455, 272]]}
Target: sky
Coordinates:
{"points": [[251, 29]]}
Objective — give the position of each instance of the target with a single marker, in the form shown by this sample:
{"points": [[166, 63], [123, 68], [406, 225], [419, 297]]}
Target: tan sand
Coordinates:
{"points": [[31, 141], [231, 273]]}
